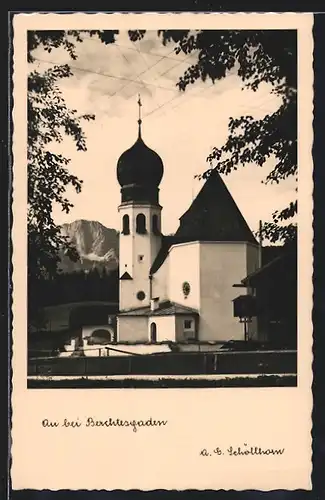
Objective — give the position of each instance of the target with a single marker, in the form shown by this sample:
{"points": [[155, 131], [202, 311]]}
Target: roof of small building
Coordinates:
{"points": [[271, 252], [165, 308], [283, 264]]}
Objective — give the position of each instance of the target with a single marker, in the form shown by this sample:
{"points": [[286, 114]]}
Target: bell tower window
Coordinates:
{"points": [[155, 225], [126, 224], [141, 224]]}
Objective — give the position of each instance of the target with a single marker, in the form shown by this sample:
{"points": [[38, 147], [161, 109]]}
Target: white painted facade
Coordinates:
{"points": [[221, 266], [160, 281], [184, 266], [132, 328], [88, 331], [137, 253], [165, 328], [211, 269]]}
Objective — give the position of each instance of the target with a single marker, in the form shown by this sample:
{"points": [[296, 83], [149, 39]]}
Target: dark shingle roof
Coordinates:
{"points": [[271, 252], [167, 242], [284, 263], [166, 308], [214, 216]]}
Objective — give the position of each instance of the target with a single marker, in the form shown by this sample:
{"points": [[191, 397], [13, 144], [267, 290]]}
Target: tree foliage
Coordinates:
{"points": [[49, 122], [263, 56]]}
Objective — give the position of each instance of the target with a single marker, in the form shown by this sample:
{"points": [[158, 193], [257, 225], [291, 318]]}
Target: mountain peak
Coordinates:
{"points": [[96, 245]]}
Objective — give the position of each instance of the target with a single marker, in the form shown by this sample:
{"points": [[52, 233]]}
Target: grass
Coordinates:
{"points": [[164, 383]]}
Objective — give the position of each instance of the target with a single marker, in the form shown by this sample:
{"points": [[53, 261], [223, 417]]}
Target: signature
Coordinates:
{"points": [[237, 451]]}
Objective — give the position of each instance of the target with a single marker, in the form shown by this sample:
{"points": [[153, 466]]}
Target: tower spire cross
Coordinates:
{"points": [[139, 120]]}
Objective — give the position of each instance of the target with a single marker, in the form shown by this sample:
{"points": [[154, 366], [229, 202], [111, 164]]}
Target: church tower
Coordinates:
{"points": [[139, 173]]}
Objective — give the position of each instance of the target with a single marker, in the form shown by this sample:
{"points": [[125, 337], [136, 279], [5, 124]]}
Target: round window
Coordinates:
{"points": [[186, 288], [141, 295]]}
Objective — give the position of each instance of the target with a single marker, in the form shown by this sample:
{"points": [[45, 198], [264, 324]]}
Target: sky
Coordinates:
{"points": [[182, 127]]}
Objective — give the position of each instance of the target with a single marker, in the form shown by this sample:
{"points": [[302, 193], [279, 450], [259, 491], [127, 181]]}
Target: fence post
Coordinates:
{"points": [[205, 362], [215, 357]]}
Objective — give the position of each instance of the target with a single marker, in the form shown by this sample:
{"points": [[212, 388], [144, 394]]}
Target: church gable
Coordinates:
{"points": [[214, 216]]}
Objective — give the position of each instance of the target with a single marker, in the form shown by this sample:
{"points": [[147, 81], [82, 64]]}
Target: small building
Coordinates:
{"points": [[274, 288], [160, 322]]}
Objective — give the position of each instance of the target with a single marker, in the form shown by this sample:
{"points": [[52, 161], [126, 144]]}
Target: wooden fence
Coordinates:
{"points": [[268, 362]]}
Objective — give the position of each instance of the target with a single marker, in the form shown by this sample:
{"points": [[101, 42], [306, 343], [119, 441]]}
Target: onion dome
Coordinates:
{"points": [[139, 165], [139, 172]]}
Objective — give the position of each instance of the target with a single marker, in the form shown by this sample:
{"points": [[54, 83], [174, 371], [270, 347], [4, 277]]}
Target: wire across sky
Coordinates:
{"points": [[128, 81]]}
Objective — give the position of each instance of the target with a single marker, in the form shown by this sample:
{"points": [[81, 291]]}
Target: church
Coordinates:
{"points": [[179, 293], [179, 289]]}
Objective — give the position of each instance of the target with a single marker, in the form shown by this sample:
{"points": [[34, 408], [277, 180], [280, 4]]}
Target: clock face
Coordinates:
{"points": [[186, 288]]}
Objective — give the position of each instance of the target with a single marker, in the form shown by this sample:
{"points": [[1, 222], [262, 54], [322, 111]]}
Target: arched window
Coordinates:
{"points": [[153, 332], [100, 336], [155, 224], [126, 224], [141, 224]]}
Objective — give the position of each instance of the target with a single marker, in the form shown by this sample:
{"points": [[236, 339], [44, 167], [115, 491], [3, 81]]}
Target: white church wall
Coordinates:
{"points": [[144, 245], [165, 328], [125, 250], [221, 266], [160, 281], [252, 258], [137, 253], [184, 266], [128, 292], [132, 329], [182, 334]]}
